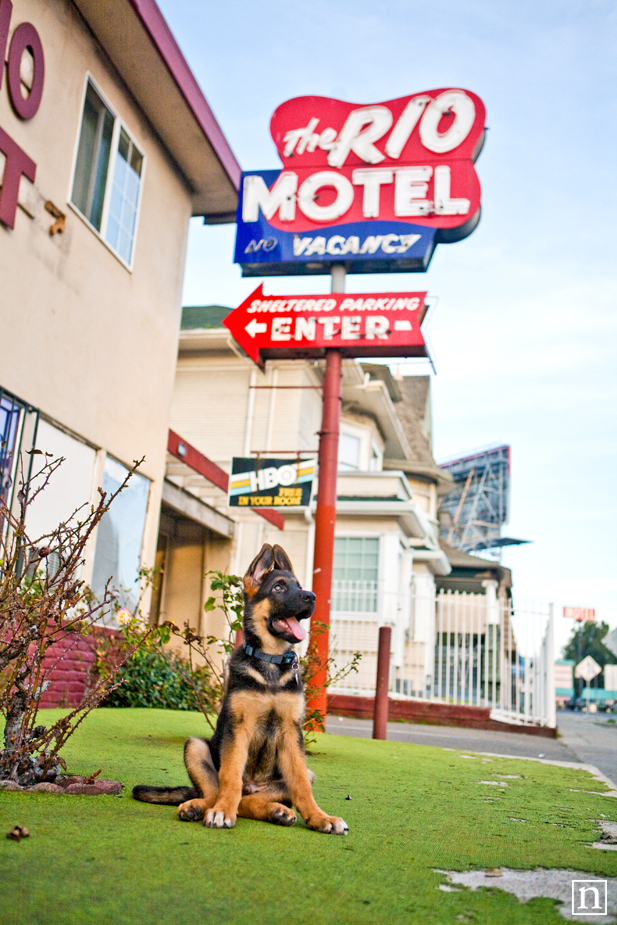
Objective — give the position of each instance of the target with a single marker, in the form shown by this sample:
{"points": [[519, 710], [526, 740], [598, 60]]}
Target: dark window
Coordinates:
{"points": [[90, 181]]}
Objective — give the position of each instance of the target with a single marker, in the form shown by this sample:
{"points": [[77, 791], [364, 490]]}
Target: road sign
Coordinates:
{"points": [[260, 482], [372, 187], [579, 613], [386, 324], [587, 669]]}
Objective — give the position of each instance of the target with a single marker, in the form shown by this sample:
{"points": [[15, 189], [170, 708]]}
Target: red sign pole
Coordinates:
{"points": [[325, 515]]}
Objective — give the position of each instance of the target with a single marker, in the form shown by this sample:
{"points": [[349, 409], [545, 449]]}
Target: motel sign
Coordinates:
{"points": [[374, 187]]}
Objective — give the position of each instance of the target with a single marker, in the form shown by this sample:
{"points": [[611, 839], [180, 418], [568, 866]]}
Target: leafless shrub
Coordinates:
{"points": [[43, 601]]}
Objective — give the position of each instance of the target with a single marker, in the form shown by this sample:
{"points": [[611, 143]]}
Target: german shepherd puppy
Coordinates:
{"points": [[254, 765]]}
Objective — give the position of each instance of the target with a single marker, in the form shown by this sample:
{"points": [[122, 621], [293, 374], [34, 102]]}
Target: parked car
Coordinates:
{"points": [[579, 704], [576, 704]]}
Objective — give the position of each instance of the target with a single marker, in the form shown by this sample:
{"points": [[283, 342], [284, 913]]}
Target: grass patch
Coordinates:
{"points": [[104, 860]]}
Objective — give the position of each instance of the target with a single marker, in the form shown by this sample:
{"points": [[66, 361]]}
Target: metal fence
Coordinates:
{"points": [[453, 648]]}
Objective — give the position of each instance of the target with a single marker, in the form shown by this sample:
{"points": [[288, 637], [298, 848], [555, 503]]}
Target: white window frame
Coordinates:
{"points": [[118, 125], [377, 455], [100, 475], [384, 615], [368, 616], [365, 435], [343, 465]]}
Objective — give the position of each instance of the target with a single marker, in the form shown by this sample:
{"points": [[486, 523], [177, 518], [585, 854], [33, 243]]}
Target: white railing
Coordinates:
{"points": [[454, 648], [356, 598], [353, 628]]}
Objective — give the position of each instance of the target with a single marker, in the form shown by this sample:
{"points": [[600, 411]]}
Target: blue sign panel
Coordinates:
{"points": [[372, 246]]}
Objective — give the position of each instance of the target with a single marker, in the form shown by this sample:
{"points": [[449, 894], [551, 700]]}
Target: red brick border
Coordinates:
{"points": [[67, 664]]}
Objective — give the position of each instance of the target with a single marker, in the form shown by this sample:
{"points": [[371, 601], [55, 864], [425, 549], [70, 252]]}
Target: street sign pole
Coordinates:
{"points": [[325, 515], [588, 669], [579, 645]]}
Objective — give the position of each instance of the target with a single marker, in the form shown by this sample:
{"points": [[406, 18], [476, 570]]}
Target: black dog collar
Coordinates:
{"points": [[289, 658]]}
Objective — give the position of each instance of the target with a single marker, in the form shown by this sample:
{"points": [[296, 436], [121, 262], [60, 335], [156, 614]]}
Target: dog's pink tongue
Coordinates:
{"points": [[295, 629]]}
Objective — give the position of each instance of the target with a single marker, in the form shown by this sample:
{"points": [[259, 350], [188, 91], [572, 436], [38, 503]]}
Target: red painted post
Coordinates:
{"points": [[380, 716], [325, 517]]}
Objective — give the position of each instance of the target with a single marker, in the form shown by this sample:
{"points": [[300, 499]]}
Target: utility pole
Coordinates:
{"points": [[579, 643], [325, 515]]}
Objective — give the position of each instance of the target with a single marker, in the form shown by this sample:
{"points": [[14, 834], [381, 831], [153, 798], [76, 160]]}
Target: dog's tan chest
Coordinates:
{"points": [[267, 721], [257, 708]]}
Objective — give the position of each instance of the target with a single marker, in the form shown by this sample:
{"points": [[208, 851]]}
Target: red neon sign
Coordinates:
{"points": [[18, 164], [405, 160], [359, 325], [579, 613]]}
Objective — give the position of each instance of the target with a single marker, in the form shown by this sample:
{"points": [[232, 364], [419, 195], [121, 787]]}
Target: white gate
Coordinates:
{"points": [[453, 648]]}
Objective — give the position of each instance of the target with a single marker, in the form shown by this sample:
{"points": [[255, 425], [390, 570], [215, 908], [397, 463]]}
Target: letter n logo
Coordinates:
{"points": [[589, 897]]}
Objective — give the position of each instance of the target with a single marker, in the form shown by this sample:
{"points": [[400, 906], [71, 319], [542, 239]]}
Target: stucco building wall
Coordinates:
{"points": [[91, 344], [87, 341]]}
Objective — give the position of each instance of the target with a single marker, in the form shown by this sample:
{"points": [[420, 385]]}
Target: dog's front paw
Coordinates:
{"points": [[219, 818], [191, 811], [330, 825], [334, 825]]}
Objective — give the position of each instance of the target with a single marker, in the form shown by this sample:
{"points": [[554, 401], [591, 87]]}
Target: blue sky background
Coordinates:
{"points": [[526, 326]]}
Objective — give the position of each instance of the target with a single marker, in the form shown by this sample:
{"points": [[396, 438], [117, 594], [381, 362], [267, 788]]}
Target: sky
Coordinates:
{"points": [[524, 332]]}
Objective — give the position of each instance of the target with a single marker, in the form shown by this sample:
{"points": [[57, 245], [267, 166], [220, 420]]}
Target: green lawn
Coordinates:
{"points": [[110, 860]]}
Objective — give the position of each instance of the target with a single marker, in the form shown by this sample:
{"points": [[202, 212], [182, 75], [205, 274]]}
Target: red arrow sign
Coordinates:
{"points": [[384, 324]]}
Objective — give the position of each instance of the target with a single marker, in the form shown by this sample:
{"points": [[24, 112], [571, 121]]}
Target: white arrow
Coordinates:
{"points": [[255, 327]]}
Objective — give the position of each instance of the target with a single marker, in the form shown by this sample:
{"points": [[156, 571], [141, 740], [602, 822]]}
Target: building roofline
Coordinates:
{"points": [[141, 47], [165, 44], [460, 559], [371, 396], [443, 480]]}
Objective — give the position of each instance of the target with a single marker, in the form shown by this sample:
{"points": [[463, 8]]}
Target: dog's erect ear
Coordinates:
{"points": [[261, 564], [281, 560]]}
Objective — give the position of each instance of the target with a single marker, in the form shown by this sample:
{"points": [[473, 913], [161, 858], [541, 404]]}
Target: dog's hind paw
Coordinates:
{"points": [[283, 816], [219, 819], [191, 811]]}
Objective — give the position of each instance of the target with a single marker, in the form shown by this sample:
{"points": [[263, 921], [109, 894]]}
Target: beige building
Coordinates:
{"points": [[107, 148]]}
